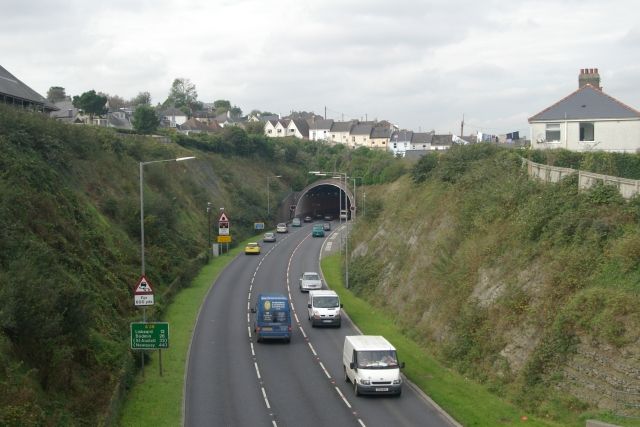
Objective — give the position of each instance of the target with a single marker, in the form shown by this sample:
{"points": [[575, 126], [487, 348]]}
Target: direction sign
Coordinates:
{"points": [[149, 336], [258, 225], [143, 293]]}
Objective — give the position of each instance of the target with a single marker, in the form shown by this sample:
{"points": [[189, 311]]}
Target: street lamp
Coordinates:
{"points": [[142, 164], [355, 195], [209, 205], [268, 196]]}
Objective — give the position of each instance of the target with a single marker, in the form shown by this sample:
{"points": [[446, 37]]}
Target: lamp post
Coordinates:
{"points": [[209, 228], [355, 195], [142, 164], [268, 195], [340, 176]]}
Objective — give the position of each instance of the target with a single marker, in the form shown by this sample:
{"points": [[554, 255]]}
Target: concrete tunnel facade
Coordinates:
{"points": [[323, 197]]}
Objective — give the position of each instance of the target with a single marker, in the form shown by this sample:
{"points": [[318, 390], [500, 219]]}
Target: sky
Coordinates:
{"points": [[420, 64]]}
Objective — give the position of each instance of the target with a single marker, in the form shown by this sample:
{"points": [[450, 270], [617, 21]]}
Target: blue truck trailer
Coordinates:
{"points": [[272, 317]]}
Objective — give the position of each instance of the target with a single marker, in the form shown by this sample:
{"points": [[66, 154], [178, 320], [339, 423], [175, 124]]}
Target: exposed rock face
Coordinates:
{"points": [[606, 377]]}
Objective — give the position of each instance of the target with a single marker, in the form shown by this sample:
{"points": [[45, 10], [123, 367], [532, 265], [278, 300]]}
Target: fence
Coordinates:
{"points": [[628, 188]]}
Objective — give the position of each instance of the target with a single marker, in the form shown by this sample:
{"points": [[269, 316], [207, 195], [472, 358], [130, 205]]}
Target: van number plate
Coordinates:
{"points": [[382, 389]]}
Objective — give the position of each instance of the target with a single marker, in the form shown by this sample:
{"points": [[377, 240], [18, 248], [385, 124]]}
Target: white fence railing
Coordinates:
{"points": [[627, 187]]}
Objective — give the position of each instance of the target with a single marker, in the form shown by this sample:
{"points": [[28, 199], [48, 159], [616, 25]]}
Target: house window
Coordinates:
{"points": [[353, 139], [553, 132], [586, 131], [279, 130], [269, 131], [383, 142]]}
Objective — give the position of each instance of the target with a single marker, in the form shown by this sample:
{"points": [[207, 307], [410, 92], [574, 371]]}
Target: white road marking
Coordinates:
{"points": [[266, 401], [257, 370], [344, 399], [312, 349], [325, 370]]}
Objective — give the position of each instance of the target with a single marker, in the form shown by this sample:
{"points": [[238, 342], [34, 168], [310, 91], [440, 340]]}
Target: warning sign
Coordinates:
{"points": [[143, 293]]}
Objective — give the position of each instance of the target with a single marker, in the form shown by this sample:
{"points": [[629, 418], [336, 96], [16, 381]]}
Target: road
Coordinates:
{"points": [[233, 381]]}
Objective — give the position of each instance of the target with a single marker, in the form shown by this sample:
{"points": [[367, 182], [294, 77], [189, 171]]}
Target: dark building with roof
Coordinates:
{"points": [[14, 92]]}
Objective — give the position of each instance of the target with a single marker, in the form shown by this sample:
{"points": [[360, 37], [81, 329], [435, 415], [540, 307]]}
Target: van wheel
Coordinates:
{"points": [[355, 388], [346, 377]]}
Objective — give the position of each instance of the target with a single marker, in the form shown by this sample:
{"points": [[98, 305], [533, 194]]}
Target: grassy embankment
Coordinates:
{"points": [[155, 400], [469, 403]]}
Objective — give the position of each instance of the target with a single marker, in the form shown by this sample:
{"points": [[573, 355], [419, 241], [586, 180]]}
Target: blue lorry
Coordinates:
{"points": [[272, 317]]}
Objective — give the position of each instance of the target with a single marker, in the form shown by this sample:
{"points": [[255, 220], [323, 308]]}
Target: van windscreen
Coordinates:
{"points": [[377, 359], [326, 302]]}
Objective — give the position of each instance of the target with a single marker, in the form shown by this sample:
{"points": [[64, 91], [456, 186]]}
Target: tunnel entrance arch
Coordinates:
{"points": [[324, 197]]}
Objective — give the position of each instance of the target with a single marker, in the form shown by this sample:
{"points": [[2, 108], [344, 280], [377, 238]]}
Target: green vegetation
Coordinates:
{"points": [[469, 403], [70, 246], [155, 400], [521, 286]]}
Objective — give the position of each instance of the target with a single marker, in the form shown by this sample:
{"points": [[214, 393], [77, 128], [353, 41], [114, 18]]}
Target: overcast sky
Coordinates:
{"points": [[420, 64]]}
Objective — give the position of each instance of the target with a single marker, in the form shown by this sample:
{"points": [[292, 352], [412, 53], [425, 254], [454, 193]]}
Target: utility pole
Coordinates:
{"points": [[325, 112], [462, 127]]}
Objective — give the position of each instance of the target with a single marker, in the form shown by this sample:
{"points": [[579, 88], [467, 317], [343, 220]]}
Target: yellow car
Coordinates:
{"points": [[252, 248]]}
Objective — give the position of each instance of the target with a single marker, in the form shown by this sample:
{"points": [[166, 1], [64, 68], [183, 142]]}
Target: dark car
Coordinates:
{"points": [[328, 218]]}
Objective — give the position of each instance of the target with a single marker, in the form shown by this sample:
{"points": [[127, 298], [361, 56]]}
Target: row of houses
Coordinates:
{"points": [[354, 134], [587, 119]]}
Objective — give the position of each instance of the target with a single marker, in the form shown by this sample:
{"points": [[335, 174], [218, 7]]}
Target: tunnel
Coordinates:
{"points": [[324, 197]]}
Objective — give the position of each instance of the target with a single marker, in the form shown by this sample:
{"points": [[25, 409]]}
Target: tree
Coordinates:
{"points": [[56, 94], [91, 103], [183, 95], [236, 112], [142, 98], [145, 120], [116, 102]]}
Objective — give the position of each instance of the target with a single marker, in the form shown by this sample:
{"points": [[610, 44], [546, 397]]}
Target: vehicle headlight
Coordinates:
{"points": [[316, 314], [398, 381], [365, 382]]}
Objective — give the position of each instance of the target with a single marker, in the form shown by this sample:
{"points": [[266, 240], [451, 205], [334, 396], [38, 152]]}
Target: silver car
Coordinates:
{"points": [[310, 280]]}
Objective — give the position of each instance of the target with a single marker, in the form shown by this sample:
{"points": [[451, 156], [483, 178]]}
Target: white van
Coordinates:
{"points": [[370, 362], [324, 308]]}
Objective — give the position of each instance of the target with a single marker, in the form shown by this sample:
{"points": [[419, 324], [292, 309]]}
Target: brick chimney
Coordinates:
{"points": [[589, 76]]}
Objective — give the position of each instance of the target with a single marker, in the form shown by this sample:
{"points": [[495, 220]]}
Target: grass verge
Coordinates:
{"points": [[466, 401], [155, 400]]}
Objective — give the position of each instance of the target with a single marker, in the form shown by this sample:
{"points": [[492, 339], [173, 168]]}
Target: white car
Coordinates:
{"points": [[282, 228], [310, 280]]}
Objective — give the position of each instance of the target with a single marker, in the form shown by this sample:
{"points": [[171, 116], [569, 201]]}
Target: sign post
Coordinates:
{"points": [[224, 234]]}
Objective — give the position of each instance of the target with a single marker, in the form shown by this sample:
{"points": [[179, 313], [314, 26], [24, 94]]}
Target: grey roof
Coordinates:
{"points": [[65, 110], [269, 118], [362, 129], [402, 136], [586, 103], [321, 124], [380, 132], [341, 126], [10, 85], [422, 138], [442, 139], [302, 126]]}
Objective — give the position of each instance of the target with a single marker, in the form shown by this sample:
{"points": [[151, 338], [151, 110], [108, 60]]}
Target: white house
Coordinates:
{"points": [[270, 128], [174, 117], [298, 128], [587, 119], [320, 130]]}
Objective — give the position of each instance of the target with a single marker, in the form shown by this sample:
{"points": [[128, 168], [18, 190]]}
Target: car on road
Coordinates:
{"points": [[324, 308], [318, 216], [326, 226], [252, 248], [308, 219], [328, 218], [310, 280], [295, 222], [269, 237], [317, 230], [282, 228], [344, 214]]}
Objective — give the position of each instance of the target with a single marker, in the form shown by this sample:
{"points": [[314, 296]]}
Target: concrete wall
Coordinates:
{"points": [[627, 187]]}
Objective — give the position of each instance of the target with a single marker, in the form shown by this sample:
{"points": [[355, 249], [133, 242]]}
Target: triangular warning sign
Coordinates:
{"points": [[223, 218], [143, 287]]}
